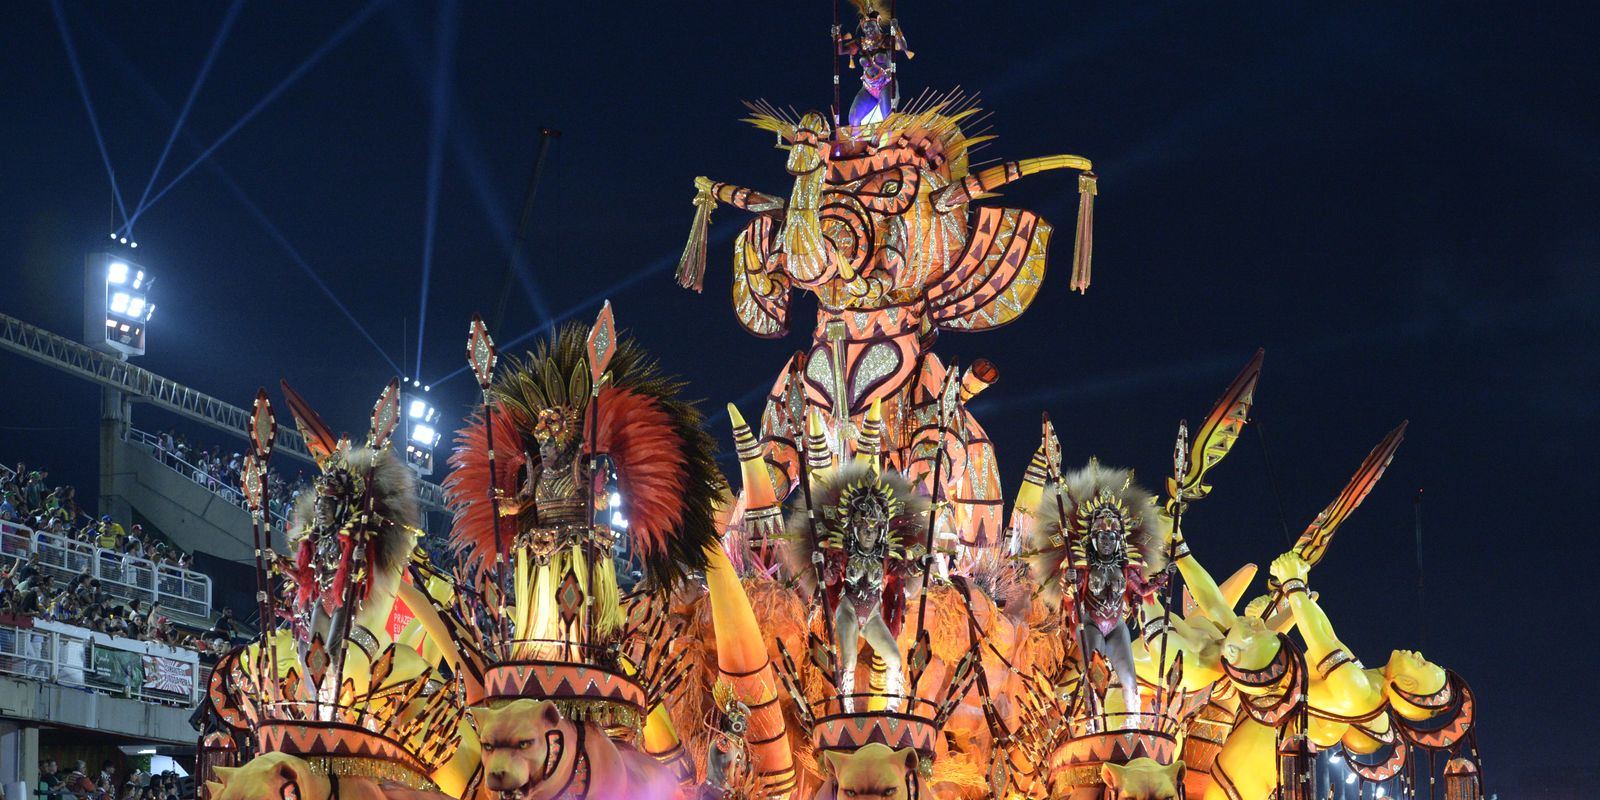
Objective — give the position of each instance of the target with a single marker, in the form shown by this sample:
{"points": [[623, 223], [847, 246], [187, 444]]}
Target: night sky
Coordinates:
{"points": [[1399, 204]]}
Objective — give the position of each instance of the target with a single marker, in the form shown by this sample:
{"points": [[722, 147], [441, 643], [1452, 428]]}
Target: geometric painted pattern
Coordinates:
{"points": [[850, 732], [558, 680]]}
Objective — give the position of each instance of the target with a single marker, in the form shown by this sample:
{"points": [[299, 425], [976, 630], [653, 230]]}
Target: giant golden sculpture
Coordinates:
{"points": [[854, 616]]}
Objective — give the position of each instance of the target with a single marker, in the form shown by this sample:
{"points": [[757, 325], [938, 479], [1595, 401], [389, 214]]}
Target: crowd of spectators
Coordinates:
{"points": [[220, 473], [26, 499], [58, 784], [26, 589], [29, 589]]}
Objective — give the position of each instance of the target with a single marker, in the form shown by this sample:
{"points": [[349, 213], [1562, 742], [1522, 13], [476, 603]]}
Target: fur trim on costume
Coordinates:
{"points": [[1049, 536], [908, 528], [393, 489]]}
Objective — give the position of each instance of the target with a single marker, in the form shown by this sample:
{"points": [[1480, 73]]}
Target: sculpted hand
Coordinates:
{"points": [[1289, 566], [703, 183]]}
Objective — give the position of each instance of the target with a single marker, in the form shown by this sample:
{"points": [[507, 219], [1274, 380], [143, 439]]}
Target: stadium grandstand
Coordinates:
{"points": [[103, 623]]}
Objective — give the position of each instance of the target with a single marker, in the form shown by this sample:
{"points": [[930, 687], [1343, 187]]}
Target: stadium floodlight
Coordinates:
{"points": [[422, 433], [117, 307]]}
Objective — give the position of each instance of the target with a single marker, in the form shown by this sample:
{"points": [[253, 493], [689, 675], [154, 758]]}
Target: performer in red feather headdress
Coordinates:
{"points": [[580, 475]]}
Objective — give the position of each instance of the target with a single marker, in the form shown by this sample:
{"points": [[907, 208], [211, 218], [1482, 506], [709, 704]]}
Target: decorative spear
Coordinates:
{"points": [[1313, 543], [602, 345], [948, 399], [263, 435], [1190, 463], [1180, 468], [1052, 466], [794, 406], [482, 357]]}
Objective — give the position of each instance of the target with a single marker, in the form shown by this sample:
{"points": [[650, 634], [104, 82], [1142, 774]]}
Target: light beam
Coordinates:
{"points": [[294, 255], [183, 115], [662, 264], [83, 90], [438, 128], [339, 36]]}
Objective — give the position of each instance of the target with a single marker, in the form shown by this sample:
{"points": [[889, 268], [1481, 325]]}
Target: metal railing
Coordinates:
{"points": [[200, 477], [181, 592], [72, 656]]}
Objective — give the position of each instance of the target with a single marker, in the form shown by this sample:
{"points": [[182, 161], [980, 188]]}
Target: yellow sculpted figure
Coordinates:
{"points": [[1349, 704], [1348, 700], [330, 693], [1215, 642]]}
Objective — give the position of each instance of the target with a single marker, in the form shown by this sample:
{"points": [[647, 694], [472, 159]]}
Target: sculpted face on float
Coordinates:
{"points": [[270, 776], [1250, 643], [1412, 673], [524, 745], [1142, 779], [874, 772]]}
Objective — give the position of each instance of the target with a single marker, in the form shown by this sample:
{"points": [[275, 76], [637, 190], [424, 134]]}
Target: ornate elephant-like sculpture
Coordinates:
{"points": [[878, 225]]}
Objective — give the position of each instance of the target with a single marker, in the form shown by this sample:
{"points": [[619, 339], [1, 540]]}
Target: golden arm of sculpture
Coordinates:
{"points": [[1323, 648], [737, 196], [1194, 635], [1207, 594], [978, 184]]}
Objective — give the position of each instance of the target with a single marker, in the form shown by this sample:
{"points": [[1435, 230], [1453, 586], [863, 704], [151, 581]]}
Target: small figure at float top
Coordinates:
{"points": [[879, 38]]}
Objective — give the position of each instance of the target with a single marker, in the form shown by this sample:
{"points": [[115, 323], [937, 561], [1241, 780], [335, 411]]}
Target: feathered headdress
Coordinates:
{"points": [[667, 479], [852, 490], [361, 516], [1059, 526]]}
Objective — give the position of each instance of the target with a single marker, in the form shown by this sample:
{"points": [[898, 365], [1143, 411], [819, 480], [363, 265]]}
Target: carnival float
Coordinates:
{"points": [[863, 611]]}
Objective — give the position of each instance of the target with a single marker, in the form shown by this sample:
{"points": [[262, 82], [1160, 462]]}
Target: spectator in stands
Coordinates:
{"points": [[81, 590], [168, 445], [50, 779], [27, 574], [8, 508], [23, 603], [108, 778], [33, 490], [133, 619], [109, 534], [223, 628], [78, 781]]}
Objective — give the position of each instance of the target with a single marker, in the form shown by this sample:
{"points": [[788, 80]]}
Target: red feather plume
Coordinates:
{"points": [[468, 484], [635, 430], [638, 434]]}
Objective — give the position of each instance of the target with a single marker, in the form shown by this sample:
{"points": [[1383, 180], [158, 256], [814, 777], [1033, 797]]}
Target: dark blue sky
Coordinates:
{"points": [[1397, 201]]}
